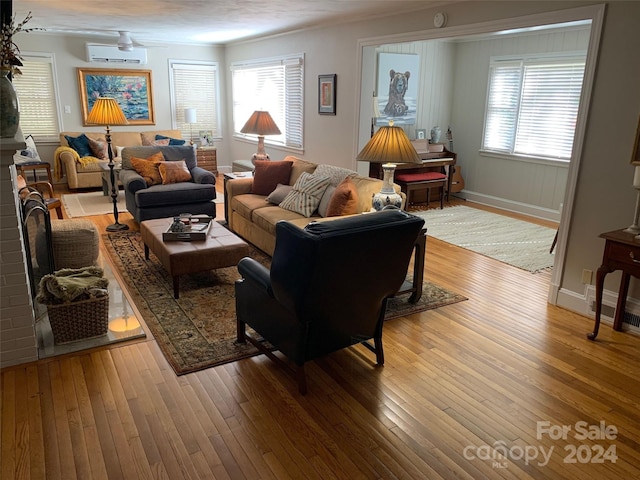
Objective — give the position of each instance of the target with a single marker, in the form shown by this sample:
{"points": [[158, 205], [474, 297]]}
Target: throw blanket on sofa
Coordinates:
{"points": [[57, 164], [70, 284]]}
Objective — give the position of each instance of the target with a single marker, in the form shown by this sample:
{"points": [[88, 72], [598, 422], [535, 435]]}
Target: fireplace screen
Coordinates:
{"points": [[36, 228]]}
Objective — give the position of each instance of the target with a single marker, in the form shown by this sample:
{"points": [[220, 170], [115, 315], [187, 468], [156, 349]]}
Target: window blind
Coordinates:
{"points": [[195, 85], [37, 96], [275, 85], [532, 106]]}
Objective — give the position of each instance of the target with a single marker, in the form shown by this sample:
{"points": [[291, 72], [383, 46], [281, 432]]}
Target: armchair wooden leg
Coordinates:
{"points": [[379, 350], [241, 334]]}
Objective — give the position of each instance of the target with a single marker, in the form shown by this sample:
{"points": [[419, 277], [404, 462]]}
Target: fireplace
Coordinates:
{"points": [[36, 230]]}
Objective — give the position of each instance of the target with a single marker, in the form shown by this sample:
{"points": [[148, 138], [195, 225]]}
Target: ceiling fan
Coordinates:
{"points": [[125, 42]]}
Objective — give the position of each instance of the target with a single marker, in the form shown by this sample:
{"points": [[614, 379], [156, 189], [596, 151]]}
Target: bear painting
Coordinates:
{"points": [[396, 107]]}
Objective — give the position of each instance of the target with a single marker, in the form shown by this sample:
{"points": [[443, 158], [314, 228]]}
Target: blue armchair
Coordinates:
{"points": [[158, 201]]}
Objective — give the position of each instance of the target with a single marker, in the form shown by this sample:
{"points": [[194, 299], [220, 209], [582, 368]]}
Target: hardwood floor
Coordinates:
{"points": [[460, 385]]}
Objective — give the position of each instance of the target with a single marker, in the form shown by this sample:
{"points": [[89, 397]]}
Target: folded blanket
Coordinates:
{"points": [[69, 284], [57, 163]]}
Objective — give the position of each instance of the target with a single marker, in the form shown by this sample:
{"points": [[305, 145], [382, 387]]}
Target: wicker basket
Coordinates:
{"points": [[79, 320]]}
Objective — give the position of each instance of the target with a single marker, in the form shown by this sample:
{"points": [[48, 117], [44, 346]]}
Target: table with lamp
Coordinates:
{"points": [[260, 123], [388, 147], [621, 252], [206, 155]]}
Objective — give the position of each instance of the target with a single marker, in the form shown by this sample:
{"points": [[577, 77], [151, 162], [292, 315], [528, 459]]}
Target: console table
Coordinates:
{"points": [[621, 252]]}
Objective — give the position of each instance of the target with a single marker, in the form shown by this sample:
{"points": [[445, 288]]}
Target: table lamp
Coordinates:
{"points": [[190, 117], [106, 111], [260, 123], [389, 146]]}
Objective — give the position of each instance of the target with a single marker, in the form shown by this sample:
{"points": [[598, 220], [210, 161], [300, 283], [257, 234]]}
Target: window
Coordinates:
{"points": [[275, 85], [195, 85], [37, 95], [532, 105]]}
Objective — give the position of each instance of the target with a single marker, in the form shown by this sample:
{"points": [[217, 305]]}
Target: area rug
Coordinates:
{"points": [[198, 330], [91, 203], [95, 203], [522, 244]]}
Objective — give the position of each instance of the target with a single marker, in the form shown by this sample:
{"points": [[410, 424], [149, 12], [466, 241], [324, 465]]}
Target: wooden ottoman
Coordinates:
{"points": [[220, 249]]}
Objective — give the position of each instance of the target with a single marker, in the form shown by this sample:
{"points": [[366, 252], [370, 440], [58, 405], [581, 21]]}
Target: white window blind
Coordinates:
{"points": [[532, 106], [195, 85], [37, 96], [277, 86]]}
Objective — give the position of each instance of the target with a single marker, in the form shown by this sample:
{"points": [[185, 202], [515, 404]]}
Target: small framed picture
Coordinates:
{"points": [[206, 137], [421, 133], [327, 94]]}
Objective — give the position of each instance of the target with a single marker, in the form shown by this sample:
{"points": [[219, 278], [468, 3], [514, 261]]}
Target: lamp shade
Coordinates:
{"points": [[106, 111], [261, 123], [389, 145], [190, 115]]}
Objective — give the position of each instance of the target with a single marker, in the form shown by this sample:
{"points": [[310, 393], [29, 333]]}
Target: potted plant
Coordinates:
{"points": [[10, 61]]}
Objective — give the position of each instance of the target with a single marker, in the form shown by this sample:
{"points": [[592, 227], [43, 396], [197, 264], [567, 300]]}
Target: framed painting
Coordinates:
{"points": [[327, 94], [635, 157], [397, 87], [131, 89]]}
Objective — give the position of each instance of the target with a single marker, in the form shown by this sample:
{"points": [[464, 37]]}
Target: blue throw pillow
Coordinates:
{"points": [[172, 141], [80, 144]]}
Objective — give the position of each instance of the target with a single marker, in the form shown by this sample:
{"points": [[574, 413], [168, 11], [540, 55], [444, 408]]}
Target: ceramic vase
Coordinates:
{"points": [[387, 196], [436, 133], [9, 107]]}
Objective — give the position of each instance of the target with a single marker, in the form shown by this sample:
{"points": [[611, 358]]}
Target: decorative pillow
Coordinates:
{"points": [[80, 144], [305, 196], [99, 149], [172, 141], [148, 168], [267, 175], [344, 200], [174, 172], [324, 201], [335, 174], [149, 142], [279, 193]]}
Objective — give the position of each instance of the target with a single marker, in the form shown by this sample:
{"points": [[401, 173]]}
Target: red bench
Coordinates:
{"points": [[411, 182]]}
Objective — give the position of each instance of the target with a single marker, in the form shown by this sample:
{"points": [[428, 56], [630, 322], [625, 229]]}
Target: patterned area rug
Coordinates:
{"points": [[199, 329]]}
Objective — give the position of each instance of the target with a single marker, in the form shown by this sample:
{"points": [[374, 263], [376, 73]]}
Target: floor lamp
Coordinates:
{"points": [[190, 118], [106, 111]]}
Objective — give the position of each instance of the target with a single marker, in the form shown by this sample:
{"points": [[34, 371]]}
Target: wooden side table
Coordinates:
{"points": [[207, 159], [621, 252], [106, 177], [33, 167]]}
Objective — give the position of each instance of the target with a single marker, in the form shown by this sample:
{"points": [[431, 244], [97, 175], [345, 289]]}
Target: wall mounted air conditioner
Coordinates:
{"points": [[111, 54]]}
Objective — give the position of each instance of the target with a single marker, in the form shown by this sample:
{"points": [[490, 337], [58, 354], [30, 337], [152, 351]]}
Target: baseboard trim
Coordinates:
{"points": [[510, 205]]}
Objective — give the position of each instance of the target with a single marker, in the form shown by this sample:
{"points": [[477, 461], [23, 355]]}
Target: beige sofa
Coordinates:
{"points": [[254, 219], [89, 174]]}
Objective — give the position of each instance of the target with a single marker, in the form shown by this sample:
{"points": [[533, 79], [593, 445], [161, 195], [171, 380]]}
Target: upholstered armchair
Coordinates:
{"points": [[163, 190], [328, 285]]}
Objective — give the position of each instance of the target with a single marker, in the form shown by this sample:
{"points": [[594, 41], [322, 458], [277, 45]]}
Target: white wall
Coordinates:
{"points": [[518, 184], [70, 54]]}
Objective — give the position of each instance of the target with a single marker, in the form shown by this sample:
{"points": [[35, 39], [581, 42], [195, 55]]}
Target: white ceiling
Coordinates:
{"points": [[199, 21]]}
